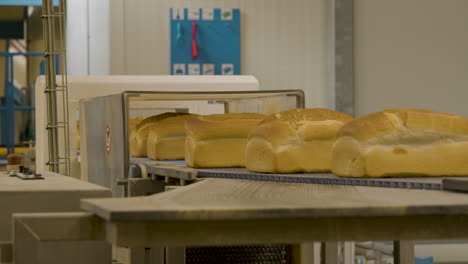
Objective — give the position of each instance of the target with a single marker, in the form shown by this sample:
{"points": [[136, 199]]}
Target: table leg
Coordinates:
{"points": [[6, 252], [175, 255], [330, 253], [135, 256], [306, 253], [348, 252], [403, 251], [139, 255], [156, 256]]}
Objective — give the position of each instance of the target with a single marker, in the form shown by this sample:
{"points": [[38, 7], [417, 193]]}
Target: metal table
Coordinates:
{"points": [[238, 212]]}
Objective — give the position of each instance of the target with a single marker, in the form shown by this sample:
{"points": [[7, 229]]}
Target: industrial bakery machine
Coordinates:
{"points": [[104, 121]]}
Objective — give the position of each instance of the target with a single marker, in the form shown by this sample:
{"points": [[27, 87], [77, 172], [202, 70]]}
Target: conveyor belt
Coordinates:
{"points": [[433, 183], [427, 183], [149, 162]]}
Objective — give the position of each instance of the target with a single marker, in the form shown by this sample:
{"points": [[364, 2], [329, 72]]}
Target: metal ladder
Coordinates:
{"points": [[54, 26]]}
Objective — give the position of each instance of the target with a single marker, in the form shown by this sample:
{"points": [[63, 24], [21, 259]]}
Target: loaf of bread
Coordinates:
{"points": [[298, 140], [166, 139], [402, 143], [218, 140], [139, 134], [133, 122]]}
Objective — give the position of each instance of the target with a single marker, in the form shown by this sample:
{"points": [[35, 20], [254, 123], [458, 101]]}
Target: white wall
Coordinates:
{"points": [[88, 36], [77, 37], [284, 43], [411, 53]]}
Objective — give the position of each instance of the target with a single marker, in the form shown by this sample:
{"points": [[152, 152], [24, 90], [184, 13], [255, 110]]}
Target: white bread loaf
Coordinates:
{"points": [[402, 142], [133, 122], [298, 140], [139, 134], [166, 139], [218, 140]]}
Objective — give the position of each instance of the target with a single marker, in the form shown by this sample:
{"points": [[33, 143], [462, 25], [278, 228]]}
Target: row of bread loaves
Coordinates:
{"points": [[212, 141], [401, 142], [139, 133], [390, 143]]}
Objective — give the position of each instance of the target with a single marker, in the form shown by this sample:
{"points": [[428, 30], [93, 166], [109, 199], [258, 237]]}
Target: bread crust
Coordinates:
{"points": [[298, 140], [233, 125], [402, 143], [218, 140], [139, 134], [381, 123], [166, 139]]}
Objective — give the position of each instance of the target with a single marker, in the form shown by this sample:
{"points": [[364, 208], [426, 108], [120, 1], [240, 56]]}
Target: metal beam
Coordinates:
{"points": [[343, 23]]}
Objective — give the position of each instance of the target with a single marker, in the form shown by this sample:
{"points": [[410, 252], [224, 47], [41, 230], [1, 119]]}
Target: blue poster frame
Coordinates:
{"points": [[218, 42]]}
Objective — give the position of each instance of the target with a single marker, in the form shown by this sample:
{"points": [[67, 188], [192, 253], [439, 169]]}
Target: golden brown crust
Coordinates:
{"points": [[139, 134], [166, 139], [230, 116], [153, 119], [381, 123], [310, 123], [172, 126], [298, 140], [222, 125], [402, 143], [296, 117], [133, 122]]}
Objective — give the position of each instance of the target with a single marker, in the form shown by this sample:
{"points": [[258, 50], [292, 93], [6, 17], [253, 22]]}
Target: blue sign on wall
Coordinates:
{"points": [[23, 2], [205, 41]]}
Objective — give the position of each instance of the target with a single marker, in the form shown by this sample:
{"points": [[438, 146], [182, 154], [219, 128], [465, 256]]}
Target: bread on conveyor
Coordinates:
{"points": [[139, 133], [298, 140], [133, 122], [166, 139], [402, 142], [218, 140]]}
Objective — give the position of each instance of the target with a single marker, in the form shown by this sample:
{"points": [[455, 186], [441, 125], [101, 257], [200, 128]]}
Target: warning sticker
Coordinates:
{"points": [[108, 140]]}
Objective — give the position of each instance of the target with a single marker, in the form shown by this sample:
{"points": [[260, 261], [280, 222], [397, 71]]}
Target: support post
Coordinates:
{"points": [[403, 251]]}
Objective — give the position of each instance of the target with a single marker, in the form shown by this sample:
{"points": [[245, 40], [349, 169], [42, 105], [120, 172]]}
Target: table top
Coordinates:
{"points": [[221, 199], [51, 182]]}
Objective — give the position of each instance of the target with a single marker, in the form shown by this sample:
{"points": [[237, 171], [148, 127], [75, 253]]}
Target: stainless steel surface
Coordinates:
{"points": [[103, 166], [176, 172], [342, 14], [113, 111], [453, 184], [54, 25]]}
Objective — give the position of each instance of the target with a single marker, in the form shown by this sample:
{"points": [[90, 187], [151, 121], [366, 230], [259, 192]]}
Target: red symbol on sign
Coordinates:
{"points": [[108, 140]]}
